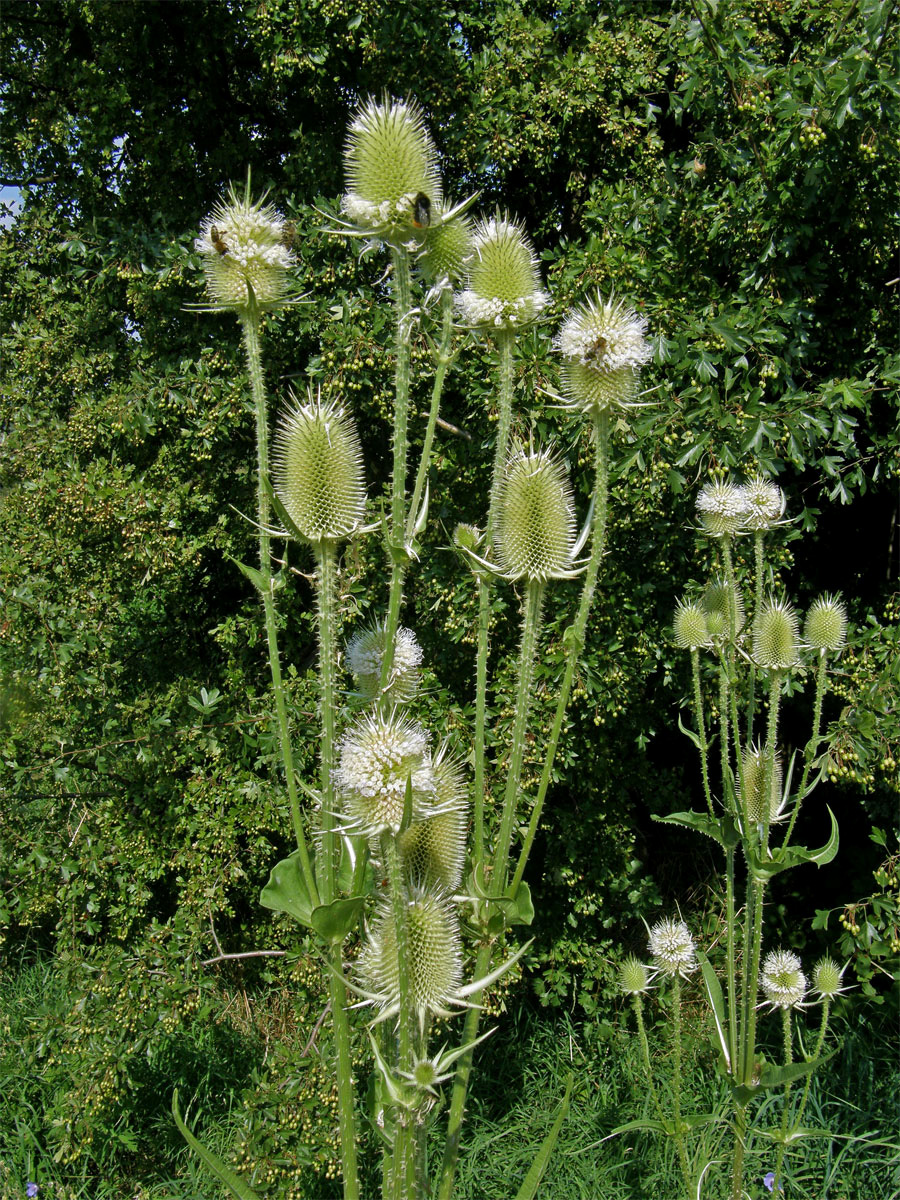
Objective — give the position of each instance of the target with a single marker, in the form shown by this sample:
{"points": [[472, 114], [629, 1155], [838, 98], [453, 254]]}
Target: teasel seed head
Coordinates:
{"points": [[689, 626], [379, 754], [776, 639], [434, 962], [672, 948], [317, 469], [433, 851], [364, 657], [503, 287], [534, 517], [826, 624], [755, 769], [391, 168], [782, 980], [763, 503], [634, 977], [720, 506], [245, 258], [827, 977], [446, 250], [603, 348], [717, 603]]}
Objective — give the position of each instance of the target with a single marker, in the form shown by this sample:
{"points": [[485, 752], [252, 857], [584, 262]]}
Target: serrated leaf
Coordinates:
{"points": [[773, 1076], [720, 829]]}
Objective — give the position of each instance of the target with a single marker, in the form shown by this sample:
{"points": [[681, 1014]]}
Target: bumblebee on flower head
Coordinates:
{"points": [[421, 211]]}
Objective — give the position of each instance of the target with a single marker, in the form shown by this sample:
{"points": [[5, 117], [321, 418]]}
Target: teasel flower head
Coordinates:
{"points": [[434, 959], [721, 508], [365, 654], [603, 348], [827, 977], [689, 626], [672, 948], [763, 503], [755, 772], [446, 250], [433, 851], [776, 638], [317, 469], [719, 602], [634, 977], [245, 253], [391, 168], [535, 518], [826, 625], [380, 754], [503, 287], [782, 980]]}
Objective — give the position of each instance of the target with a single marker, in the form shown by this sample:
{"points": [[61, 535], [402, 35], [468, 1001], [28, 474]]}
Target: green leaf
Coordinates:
{"points": [[286, 891], [233, 1182], [794, 856], [520, 910], [256, 577], [717, 1004], [334, 921], [688, 733], [532, 1180], [773, 1076], [646, 1123], [720, 829], [281, 512]]}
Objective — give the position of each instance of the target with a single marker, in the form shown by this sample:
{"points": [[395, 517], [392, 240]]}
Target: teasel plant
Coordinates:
{"points": [[392, 802], [749, 643]]}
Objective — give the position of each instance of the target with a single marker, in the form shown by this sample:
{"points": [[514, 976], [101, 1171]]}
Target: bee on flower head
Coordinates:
{"points": [[421, 211], [217, 240], [289, 234]]}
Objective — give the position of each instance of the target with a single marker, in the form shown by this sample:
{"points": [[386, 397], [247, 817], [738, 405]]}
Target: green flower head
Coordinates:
{"points": [[504, 287], [535, 518], [365, 654], [826, 624], [689, 626], [446, 249], [776, 637], [433, 851]]}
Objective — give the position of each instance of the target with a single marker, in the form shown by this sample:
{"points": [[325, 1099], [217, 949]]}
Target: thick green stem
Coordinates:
{"points": [[403, 1168], [505, 343], [809, 753], [575, 635], [346, 1115], [676, 1086], [701, 727], [731, 982], [250, 331], [325, 596], [823, 1029], [788, 1059], [645, 1055], [443, 360]]}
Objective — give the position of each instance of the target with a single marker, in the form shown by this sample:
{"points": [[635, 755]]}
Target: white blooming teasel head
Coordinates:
{"points": [[603, 348], [672, 948], [365, 654], [433, 851], [503, 288], [380, 755], [782, 980], [763, 503], [246, 256], [317, 469], [391, 168], [721, 506], [534, 515]]}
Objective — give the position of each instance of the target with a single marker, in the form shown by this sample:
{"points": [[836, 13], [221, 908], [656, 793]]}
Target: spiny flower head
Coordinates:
{"points": [[776, 638], [603, 348], [317, 469], [763, 503], [434, 959], [365, 654], [391, 166], [689, 626], [446, 250], [827, 977], [379, 755], [634, 977], [782, 979], [246, 257], [433, 851], [755, 771], [721, 603], [826, 624], [504, 286], [535, 517], [721, 508], [672, 947]]}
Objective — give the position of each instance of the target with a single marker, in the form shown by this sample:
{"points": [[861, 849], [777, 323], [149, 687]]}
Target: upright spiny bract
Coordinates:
{"points": [[503, 288], [782, 980], [245, 257], [776, 639], [317, 469], [603, 347], [672, 948], [392, 172], [380, 755], [535, 518]]}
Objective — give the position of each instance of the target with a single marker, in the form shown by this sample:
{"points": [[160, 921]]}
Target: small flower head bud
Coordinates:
{"points": [[504, 286], [535, 517], [434, 955], [447, 250], [393, 183], [721, 602], [763, 503], [755, 769], [776, 639], [379, 755], [826, 624], [317, 469], [782, 981], [434, 851], [244, 253], [720, 506], [827, 977], [672, 948], [365, 654], [603, 348], [634, 977], [689, 626]]}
